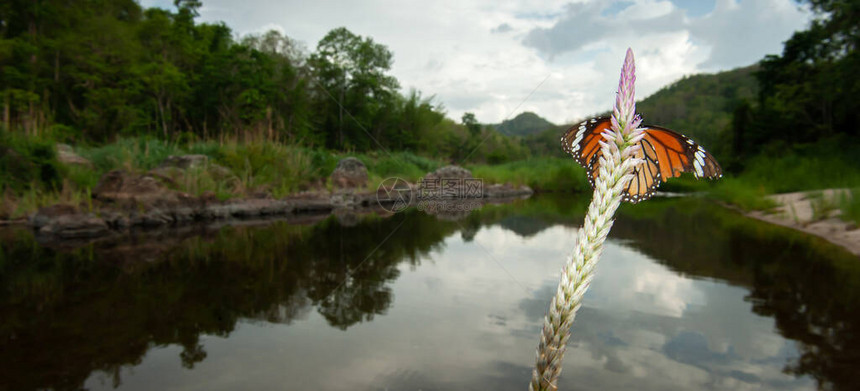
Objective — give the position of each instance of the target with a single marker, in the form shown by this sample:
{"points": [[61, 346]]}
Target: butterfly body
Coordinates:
{"points": [[664, 154]]}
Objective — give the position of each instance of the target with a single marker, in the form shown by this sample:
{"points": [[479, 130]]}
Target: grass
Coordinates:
{"points": [[737, 191], [799, 173], [825, 165], [542, 174], [849, 203], [17, 206], [31, 176], [405, 165], [275, 168]]}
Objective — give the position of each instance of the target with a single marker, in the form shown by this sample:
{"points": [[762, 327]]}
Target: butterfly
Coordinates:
{"points": [[665, 154]]}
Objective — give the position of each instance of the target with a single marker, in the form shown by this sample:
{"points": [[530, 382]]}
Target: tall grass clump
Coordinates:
{"points": [[277, 168]]}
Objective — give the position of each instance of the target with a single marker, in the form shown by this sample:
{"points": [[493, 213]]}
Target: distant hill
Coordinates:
{"points": [[525, 124], [701, 106]]}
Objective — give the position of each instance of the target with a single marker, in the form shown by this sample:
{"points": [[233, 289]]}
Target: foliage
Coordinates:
{"points": [[546, 143], [808, 93], [27, 163], [544, 174], [91, 72], [351, 71], [701, 106]]}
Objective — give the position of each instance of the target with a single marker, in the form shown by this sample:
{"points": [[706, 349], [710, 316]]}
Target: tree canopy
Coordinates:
{"points": [[808, 93], [94, 70]]}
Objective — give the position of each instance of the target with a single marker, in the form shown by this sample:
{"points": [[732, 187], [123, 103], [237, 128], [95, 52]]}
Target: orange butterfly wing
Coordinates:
{"points": [[665, 154], [582, 142]]}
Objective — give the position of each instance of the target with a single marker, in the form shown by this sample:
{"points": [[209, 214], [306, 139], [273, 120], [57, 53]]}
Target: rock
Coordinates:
{"points": [[450, 172], [119, 186], [343, 200], [70, 226], [65, 154], [46, 214], [506, 191], [311, 206], [349, 173], [252, 208], [152, 218], [115, 220], [450, 182]]}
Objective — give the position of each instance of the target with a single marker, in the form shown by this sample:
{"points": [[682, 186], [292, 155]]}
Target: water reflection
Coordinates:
{"points": [[687, 296]]}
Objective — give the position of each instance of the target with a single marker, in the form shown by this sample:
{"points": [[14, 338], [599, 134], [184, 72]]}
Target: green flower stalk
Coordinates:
{"points": [[616, 163]]}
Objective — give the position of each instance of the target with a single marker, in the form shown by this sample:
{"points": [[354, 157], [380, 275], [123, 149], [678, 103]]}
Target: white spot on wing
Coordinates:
{"points": [[699, 164]]}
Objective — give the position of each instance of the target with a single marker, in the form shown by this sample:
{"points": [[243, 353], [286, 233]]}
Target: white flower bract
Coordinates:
{"points": [[617, 163]]}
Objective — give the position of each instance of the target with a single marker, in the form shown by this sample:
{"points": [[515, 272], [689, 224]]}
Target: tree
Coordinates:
{"points": [[471, 123], [809, 92], [351, 72]]}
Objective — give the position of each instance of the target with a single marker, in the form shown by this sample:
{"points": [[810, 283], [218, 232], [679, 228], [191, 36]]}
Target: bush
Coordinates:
{"points": [[27, 163]]}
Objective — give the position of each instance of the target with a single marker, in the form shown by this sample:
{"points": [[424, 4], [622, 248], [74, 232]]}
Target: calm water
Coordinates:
{"points": [[687, 296]]}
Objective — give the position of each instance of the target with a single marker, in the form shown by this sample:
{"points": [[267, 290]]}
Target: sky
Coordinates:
{"points": [[559, 59]]}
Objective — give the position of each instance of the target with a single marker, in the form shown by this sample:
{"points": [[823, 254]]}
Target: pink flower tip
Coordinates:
{"points": [[625, 101]]}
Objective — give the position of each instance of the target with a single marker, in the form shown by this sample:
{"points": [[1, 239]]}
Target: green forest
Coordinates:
{"points": [[93, 71], [126, 86]]}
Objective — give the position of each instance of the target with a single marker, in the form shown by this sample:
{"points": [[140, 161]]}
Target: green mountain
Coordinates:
{"points": [[525, 124], [701, 106]]}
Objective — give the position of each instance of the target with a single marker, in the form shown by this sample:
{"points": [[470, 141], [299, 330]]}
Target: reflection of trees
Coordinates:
{"points": [[66, 313], [815, 304], [810, 288]]}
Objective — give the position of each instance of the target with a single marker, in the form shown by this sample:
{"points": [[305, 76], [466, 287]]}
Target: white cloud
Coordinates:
{"points": [[488, 56]]}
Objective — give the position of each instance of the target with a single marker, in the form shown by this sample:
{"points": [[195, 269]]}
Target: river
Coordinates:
{"points": [[688, 295]]}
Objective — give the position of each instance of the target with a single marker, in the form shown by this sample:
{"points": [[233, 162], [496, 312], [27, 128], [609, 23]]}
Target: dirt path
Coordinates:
{"points": [[815, 213]]}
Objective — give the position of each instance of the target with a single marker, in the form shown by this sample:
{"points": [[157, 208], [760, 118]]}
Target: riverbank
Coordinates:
{"points": [[37, 173], [123, 201], [813, 212]]}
